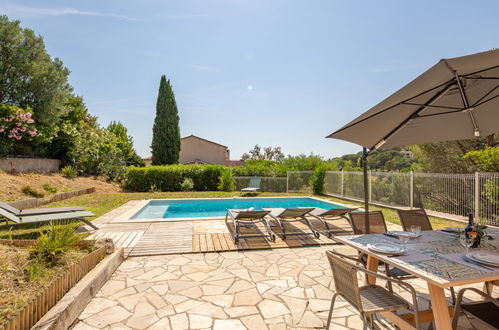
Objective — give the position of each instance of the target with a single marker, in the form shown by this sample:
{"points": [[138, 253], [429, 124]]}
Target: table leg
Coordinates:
{"points": [[372, 265], [441, 314]]}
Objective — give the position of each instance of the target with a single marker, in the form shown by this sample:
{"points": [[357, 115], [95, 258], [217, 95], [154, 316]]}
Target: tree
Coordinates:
{"points": [[165, 145], [268, 153], [448, 157], [29, 77], [125, 144]]}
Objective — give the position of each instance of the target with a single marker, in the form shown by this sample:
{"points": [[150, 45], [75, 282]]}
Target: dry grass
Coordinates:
{"points": [[21, 279], [12, 185]]}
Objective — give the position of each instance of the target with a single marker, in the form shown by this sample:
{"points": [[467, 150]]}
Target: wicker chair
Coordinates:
{"points": [[418, 217], [377, 225], [485, 313], [414, 217], [368, 299]]}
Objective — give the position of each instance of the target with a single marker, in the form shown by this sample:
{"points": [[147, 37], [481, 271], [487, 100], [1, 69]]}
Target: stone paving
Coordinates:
{"points": [[267, 289]]}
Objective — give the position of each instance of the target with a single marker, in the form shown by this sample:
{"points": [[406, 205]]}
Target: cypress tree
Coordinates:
{"points": [[165, 145]]}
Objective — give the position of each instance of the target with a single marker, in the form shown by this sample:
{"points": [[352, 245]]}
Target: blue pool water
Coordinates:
{"points": [[200, 208]]}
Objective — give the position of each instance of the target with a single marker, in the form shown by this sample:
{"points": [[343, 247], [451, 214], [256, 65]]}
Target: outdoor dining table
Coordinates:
{"points": [[436, 257]]}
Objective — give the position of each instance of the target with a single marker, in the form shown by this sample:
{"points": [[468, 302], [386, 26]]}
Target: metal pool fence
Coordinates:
{"points": [[458, 194], [269, 184]]}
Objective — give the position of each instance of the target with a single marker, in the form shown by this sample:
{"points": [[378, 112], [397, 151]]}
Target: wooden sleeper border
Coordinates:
{"points": [[40, 305]]}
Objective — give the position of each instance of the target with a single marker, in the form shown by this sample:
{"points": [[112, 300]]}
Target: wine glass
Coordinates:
{"points": [[466, 241], [416, 230]]}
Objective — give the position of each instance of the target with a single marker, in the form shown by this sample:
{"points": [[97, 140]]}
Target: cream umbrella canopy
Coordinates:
{"points": [[457, 98]]}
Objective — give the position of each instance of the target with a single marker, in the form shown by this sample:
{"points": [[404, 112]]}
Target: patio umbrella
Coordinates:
{"points": [[457, 98]]}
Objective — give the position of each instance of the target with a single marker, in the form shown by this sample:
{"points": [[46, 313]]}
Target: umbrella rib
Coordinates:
{"points": [[492, 98], [487, 94], [432, 106], [464, 76], [409, 118], [466, 104], [390, 107]]}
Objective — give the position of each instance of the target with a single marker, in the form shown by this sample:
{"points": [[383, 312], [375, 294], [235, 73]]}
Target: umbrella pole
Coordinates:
{"points": [[366, 189]]}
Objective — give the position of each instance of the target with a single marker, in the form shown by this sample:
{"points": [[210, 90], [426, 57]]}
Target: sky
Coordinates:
{"points": [[268, 72]]}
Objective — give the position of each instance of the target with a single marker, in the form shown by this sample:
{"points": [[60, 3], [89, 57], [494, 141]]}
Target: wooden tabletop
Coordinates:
{"points": [[436, 257]]}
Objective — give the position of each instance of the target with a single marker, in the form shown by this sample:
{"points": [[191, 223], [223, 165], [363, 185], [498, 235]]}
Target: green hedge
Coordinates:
{"points": [[170, 177]]}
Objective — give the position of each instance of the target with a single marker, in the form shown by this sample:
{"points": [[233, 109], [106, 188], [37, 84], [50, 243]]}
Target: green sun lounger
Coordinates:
{"points": [[253, 187]]}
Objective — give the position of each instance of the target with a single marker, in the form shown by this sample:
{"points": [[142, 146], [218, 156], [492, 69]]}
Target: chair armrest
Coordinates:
{"points": [[400, 283], [487, 297]]}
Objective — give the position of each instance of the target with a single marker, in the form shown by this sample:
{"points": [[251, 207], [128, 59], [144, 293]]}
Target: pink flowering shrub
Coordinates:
{"points": [[16, 123]]}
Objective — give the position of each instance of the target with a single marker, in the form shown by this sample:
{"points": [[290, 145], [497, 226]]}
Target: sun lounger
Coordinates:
{"points": [[282, 216], [246, 218], [21, 219], [331, 214], [47, 210], [253, 187]]}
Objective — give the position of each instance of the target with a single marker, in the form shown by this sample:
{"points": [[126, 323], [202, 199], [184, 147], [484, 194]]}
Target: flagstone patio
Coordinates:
{"points": [[286, 288]]}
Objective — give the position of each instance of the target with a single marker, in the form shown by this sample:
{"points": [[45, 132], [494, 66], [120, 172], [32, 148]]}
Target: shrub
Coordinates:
{"points": [[318, 178], [171, 177], [48, 188], [69, 172], [53, 243], [226, 181], [30, 191], [187, 185]]}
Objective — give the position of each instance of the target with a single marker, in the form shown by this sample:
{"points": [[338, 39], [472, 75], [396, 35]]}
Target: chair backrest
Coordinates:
{"points": [[345, 278], [9, 208], [295, 213], [255, 183], [9, 215], [250, 214], [337, 212], [414, 217], [377, 224]]}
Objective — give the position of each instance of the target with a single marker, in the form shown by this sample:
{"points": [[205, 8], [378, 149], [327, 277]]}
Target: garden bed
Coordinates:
{"points": [[28, 289]]}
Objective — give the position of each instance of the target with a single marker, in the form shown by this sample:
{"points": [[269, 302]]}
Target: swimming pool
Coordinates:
{"points": [[217, 207]]}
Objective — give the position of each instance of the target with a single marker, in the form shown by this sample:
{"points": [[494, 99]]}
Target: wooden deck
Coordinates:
{"points": [[177, 237]]}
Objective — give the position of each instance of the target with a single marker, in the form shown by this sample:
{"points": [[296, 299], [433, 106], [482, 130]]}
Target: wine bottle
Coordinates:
{"points": [[469, 227]]}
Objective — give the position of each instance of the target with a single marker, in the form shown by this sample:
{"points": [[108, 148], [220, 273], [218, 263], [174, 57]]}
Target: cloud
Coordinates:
{"points": [[18, 10], [206, 68]]}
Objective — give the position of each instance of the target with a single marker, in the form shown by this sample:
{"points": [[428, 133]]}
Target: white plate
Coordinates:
{"points": [[403, 233], [454, 229], [385, 248], [484, 257]]}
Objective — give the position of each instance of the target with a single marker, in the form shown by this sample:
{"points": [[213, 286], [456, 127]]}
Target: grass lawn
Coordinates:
{"points": [[101, 203]]}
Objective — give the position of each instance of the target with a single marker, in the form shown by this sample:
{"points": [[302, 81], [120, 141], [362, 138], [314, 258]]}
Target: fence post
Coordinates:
{"points": [[369, 176], [342, 183], [287, 182], [411, 190], [477, 197]]}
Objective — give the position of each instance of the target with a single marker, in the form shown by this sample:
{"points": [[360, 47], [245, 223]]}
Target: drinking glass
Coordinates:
{"points": [[466, 241], [416, 230], [404, 239]]}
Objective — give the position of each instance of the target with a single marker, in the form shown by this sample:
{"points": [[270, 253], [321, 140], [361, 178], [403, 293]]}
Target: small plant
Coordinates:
{"points": [[227, 181], [53, 243], [318, 179], [48, 188], [187, 185], [30, 191], [69, 171]]}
